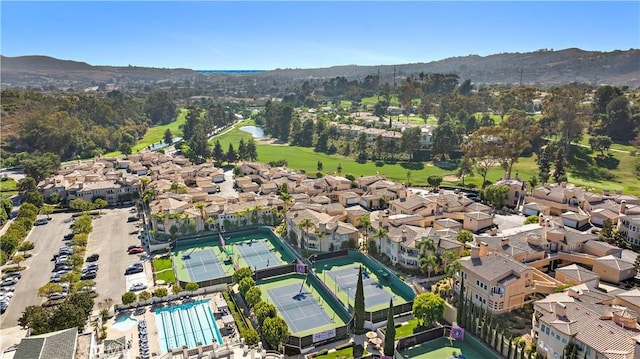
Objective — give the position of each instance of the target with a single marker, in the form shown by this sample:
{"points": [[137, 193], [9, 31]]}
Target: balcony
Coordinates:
{"points": [[496, 297]]}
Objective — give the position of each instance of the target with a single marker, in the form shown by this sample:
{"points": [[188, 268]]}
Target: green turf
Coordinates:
{"points": [[156, 134], [161, 264], [407, 329], [345, 262], [8, 187], [346, 353], [181, 269], [281, 281], [167, 275], [442, 348]]}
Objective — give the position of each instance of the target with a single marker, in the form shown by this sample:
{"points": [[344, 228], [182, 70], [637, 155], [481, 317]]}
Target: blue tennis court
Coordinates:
{"points": [[257, 254], [347, 280], [301, 311], [203, 265]]}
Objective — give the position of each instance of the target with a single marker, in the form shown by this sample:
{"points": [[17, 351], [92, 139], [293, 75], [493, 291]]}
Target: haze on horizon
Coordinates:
{"points": [[268, 35]]}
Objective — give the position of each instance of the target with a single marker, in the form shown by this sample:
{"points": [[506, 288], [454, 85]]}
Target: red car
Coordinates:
{"points": [[136, 250]]}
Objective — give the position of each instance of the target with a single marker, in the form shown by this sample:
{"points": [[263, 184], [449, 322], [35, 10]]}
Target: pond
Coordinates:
{"points": [[255, 131]]}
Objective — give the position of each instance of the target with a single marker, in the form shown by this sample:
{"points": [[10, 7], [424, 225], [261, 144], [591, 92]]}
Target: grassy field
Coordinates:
{"points": [[161, 264], [616, 146], [407, 329], [156, 134], [345, 353], [8, 187]]}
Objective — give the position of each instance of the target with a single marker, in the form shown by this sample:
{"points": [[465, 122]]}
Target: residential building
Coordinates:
{"points": [[62, 344], [559, 198], [614, 270], [629, 225], [517, 191], [574, 274]]}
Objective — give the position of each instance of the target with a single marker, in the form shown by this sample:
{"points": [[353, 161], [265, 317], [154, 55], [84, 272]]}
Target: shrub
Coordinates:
{"points": [[344, 345]]}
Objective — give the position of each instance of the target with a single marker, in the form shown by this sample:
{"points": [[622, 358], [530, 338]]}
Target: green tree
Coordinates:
{"points": [[483, 149], [192, 287], [264, 310], [252, 150], [636, 264], [100, 203], [358, 306], [49, 288], [390, 333], [544, 165], [46, 209], [33, 197], [434, 181], [176, 288], [411, 141], [160, 292], [40, 165], [80, 204], [559, 172], [128, 298], [464, 236], [36, 318], [160, 108], [218, 154], [144, 296], [244, 272], [428, 308], [232, 157], [531, 220], [305, 225], [429, 264], [245, 284], [600, 143], [465, 168], [27, 184], [565, 113], [253, 296], [251, 336], [275, 331], [168, 137], [496, 194]]}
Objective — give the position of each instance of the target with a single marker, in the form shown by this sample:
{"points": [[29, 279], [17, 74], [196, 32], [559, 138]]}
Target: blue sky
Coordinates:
{"points": [[268, 35]]}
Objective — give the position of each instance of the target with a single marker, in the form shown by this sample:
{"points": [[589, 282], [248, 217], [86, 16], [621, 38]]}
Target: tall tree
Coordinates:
{"points": [[563, 108], [600, 143], [411, 141], [218, 153], [390, 332], [275, 331], [305, 225], [232, 157], [496, 194], [252, 151], [483, 147], [358, 305], [168, 137], [465, 168], [428, 308]]}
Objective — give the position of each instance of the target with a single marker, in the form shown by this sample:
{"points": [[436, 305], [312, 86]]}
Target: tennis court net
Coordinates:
{"points": [[307, 302]]}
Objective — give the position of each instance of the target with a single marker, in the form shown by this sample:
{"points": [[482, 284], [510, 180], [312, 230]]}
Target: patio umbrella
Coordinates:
{"points": [[371, 335], [376, 341]]}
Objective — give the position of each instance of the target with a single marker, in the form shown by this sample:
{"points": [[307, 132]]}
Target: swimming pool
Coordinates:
{"points": [[187, 325], [124, 323]]}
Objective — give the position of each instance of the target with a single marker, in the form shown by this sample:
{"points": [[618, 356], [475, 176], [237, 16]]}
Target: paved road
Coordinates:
{"points": [[110, 238], [47, 240], [226, 187]]}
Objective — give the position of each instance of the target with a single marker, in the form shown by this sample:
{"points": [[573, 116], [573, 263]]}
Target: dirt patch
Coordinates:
{"points": [[451, 178]]}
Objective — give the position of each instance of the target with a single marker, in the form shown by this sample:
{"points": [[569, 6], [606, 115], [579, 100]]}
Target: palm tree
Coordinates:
{"points": [[305, 225], [427, 246], [379, 235], [429, 264], [365, 223]]}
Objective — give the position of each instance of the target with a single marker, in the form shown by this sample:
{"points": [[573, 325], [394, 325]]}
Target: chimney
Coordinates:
{"points": [[623, 206], [484, 249], [322, 227], [475, 252], [504, 241], [573, 293], [404, 235], [493, 231], [384, 220], [560, 309]]}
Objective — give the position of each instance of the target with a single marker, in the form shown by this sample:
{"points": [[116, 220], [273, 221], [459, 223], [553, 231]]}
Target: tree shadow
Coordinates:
{"points": [[607, 161], [445, 164], [412, 165], [379, 163], [582, 165]]}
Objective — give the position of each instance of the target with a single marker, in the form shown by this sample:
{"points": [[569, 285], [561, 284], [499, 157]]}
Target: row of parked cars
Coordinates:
{"points": [[7, 288], [62, 266]]}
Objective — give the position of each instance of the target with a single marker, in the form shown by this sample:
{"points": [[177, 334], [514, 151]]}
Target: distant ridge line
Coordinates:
{"points": [[231, 72]]}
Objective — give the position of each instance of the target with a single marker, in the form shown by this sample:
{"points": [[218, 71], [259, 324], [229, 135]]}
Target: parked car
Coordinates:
{"points": [[133, 270], [57, 296], [9, 281], [136, 265], [12, 275], [62, 267], [137, 286], [41, 221], [92, 266], [132, 219], [92, 258], [55, 278], [87, 289], [136, 250], [88, 275], [68, 237], [133, 246]]}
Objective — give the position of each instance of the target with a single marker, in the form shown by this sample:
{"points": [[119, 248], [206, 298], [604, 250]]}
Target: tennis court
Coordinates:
{"points": [[202, 264], [257, 254], [443, 348], [301, 310], [346, 279]]}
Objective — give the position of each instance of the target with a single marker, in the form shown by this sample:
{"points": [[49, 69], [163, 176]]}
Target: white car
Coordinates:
{"points": [[56, 296], [137, 286]]}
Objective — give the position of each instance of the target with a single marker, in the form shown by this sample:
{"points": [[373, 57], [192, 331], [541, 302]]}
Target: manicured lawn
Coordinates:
{"points": [[372, 100], [8, 185], [167, 276], [585, 170], [407, 329], [161, 264], [616, 146], [156, 134]]}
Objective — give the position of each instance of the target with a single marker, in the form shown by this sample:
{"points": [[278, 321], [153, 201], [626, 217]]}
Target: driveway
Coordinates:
{"points": [[110, 238], [226, 187], [508, 221], [47, 240]]}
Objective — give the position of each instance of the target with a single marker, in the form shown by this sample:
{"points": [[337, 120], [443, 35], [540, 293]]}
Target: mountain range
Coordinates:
{"points": [[542, 68]]}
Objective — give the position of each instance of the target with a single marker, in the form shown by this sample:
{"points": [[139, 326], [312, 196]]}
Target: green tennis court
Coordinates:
{"points": [[443, 348]]}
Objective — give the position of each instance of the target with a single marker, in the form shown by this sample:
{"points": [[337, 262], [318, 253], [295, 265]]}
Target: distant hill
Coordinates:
{"points": [[543, 67], [540, 67]]}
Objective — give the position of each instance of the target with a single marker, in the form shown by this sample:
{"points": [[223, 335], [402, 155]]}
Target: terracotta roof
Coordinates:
{"points": [[493, 266], [578, 273]]}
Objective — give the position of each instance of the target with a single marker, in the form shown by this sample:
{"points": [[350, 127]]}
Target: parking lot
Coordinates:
{"points": [[111, 236]]}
